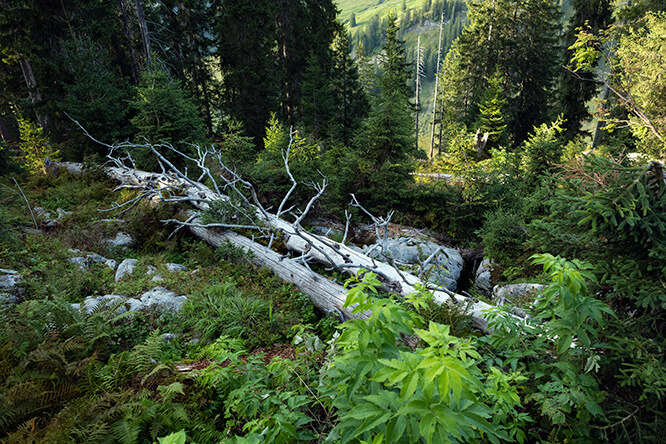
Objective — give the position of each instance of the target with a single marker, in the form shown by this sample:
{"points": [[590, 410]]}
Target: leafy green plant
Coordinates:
{"points": [[382, 389], [558, 347], [35, 146]]}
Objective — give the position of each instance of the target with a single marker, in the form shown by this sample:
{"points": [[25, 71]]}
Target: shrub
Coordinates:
{"points": [[35, 146]]}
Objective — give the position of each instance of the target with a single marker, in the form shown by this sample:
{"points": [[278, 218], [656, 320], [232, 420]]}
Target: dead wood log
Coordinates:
{"points": [[173, 185], [324, 293]]}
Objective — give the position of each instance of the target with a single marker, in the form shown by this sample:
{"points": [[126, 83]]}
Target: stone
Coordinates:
{"points": [[111, 263], [89, 304], [157, 278], [125, 268], [163, 298], [121, 240], [6, 298], [82, 262], [172, 268], [96, 258], [482, 280], [515, 293], [9, 278], [444, 269], [128, 304]]}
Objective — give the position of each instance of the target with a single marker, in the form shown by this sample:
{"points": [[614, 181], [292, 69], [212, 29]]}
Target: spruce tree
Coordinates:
{"points": [[387, 139], [317, 101], [491, 117], [351, 102]]}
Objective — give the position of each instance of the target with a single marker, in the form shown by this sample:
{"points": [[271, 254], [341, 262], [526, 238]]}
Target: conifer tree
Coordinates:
{"points": [[317, 101], [351, 102], [491, 117], [519, 40], [387, 140]]}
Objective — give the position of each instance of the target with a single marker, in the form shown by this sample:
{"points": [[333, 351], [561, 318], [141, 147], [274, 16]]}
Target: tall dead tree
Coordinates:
{"points": [[33, 92], [419, 73], [434, 103]]}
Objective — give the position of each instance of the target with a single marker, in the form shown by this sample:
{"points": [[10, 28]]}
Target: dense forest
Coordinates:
{"points": [[540, 159]]}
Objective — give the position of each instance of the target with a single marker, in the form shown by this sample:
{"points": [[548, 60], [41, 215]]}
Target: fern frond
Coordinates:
{"points": [[24, 433], [125, 432], [144, 357]]}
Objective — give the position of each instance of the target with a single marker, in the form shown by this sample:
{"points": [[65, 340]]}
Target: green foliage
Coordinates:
{"points": [[97, 98], [541, 151], [261, 402], [491, 119], [381, 388], [269, 170], [634, 75], [558, 348], [611, 213], [504, 233], [223, 309], [179, 437], [35, 146], [165, 114]]}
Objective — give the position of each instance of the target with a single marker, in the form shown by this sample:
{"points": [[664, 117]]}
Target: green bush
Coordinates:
{"points": [[503, 234], [35, 146]]}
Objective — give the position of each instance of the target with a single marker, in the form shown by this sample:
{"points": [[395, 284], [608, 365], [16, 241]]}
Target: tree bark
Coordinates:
{"points": [[324, 293], [31, 83], [128, 38], [4, 131], [145, 36]]}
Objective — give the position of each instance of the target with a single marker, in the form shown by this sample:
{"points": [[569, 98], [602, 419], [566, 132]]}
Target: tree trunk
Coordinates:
{"points": [[4, 131], [128, 37], [324, 293], [31, 83], [145, 36]]}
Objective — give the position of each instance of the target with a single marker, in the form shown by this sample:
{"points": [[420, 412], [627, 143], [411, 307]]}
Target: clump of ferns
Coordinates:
{"points": [[42, 363]]}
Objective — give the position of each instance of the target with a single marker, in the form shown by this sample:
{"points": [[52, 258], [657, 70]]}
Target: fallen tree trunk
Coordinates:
{"points": [[324, 293], [312, 248]]}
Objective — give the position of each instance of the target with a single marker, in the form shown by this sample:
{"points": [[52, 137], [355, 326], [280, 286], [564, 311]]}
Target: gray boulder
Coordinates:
{"points": [[444, 268], [482, 280], [125, 268], [121, 240], [94, 258], [89, 304], [9, 279], [80, 261], [163, 298], [172, 268], [7, 298], [515, 293]]}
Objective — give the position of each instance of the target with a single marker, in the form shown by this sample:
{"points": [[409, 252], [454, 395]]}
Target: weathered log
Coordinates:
{"points": [[315, 248], [324, 293]]}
